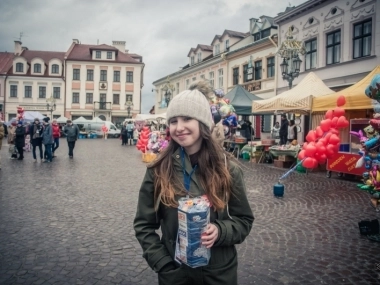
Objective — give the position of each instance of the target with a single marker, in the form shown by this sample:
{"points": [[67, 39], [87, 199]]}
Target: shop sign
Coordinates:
{"points": [[345, 162]]}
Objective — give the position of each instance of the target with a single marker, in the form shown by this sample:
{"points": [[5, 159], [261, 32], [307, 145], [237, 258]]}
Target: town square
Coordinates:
{"points": [[201, 142]]}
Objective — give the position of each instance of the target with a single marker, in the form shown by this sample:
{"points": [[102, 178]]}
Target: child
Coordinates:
{"points": [[27, 146]]}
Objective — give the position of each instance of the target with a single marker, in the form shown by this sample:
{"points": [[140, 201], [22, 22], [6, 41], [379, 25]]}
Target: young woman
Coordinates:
{"points": [[193, 164], [292, 131]]}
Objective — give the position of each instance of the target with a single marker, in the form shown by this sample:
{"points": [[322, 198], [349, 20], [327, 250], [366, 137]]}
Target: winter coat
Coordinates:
{"points": [[284, 128], [56, 131], [20, 136], [292, 132], [47, 135], [234, 224], [124, 131], [11, 134], [1, 134], [72, 132], [38, 139]]}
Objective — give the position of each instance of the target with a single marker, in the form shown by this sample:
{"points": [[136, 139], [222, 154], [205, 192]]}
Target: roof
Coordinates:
{"points": [[82, 52], [241, 100], [6, 61], [295, 11], [355, 96], [298, 99], [202, 47], [231, 33]]}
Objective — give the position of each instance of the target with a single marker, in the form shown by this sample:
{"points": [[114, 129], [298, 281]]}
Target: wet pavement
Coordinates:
{"points": [[70, 222]]}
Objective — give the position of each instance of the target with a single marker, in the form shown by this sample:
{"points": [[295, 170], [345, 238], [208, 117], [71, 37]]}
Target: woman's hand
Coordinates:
{"points": [[209, 236]]}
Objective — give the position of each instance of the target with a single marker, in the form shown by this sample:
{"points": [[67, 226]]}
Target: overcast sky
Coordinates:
{"points": [[162, 31]]}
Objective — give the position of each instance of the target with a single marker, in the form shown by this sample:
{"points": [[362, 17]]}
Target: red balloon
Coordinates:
{"points": [[304, 145], [323, 141], [334, 131], [330, 150], [334, 139], [341, 122], [333, 122], [321, 149], [338, 112], [310, 163], [301, 154], [321, 158], [325, 125], [341, 101], [327, 137], [319, 131], [329, 114], [145, 129], [311, 136], [310, 150]]}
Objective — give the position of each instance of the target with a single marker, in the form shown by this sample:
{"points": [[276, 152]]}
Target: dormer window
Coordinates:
{"points": [[217, 49], [265, 33], [192, 60], [37, 68], [55, 69], [256, 36], [199, 56], [227, 45], [98, 54], [19, 67], [109, 54]]}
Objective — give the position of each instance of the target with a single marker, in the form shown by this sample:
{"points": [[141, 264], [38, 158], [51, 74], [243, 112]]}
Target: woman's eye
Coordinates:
{"points": [[173, 122], [187, 119]]}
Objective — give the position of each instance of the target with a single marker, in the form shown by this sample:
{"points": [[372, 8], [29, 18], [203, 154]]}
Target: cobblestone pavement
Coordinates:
{"points": [[70, 222]]}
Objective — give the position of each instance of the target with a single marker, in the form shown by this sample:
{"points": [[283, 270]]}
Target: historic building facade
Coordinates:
{"points": [[6, 61]]}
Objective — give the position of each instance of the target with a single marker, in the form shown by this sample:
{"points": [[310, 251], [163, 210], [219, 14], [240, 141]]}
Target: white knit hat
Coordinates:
{"points": [[190, 103]]}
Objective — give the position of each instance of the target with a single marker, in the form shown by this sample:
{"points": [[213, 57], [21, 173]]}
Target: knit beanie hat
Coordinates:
{"points": [[46, 119], [190, 103]]}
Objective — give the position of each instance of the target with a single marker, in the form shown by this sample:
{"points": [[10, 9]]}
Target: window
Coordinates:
{"points": [[362, 39], [128, 97], [217, 49], [55, 69], [103, 98], [220, 71], [57, 92], [265, 33], [75, 97], [90, 75], [211, 76], [129, 76], [13, 91], [116, 99], [109, 54], [245, 73], [98, 54], [227, 45], [270, 67], [76, 74], [187, 83], [333, 47], [19, 67], [177, 87], [256, 36], [37, 68], [194, 78], [235, 76], [28, 91], [258, 70], [199, 56], [116, 76], [89, 98], [311, 54], [202, 76], [191, 60], [42, 92], [103, 75]]}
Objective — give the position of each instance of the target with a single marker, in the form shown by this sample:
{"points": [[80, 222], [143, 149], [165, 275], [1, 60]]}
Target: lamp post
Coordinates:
{"points": [[289, 51], [50, 105], [129, 105]]}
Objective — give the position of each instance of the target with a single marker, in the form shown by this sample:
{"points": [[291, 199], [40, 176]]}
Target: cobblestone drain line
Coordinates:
{"points": [[70, 222]]}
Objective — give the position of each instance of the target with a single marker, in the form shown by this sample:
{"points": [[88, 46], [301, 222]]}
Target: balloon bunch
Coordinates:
{"points": [[323, 142], [143, 139], [20, 113], [373, 89]]}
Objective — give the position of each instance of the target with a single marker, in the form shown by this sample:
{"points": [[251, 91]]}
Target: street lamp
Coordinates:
{"points": [[129, 105], [289, 51], [50, 105]]}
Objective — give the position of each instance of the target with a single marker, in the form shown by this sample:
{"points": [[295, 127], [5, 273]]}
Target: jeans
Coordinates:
{"points": [[124, 139], [48, 152], [56, 144], [283, 139], [39, 145], [71, 147]]}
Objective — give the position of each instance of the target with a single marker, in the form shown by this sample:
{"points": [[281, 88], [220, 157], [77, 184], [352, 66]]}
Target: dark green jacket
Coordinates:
{"points": [[234, 224]]}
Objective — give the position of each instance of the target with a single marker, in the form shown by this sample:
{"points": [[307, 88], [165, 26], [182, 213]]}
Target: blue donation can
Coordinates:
{"points": [[278, 190]]}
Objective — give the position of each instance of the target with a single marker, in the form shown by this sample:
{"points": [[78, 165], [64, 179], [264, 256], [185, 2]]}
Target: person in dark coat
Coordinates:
{"points": [[71, 131], [20, 139], [35, 132], [124, 134], [48, 140], [284, 130]]}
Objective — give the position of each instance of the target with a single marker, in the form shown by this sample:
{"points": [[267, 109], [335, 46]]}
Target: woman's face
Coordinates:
{"points": [[185, 131]]}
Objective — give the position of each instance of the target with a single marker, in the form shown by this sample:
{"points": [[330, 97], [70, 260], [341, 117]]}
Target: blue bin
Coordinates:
{"points": [[344, 148]]}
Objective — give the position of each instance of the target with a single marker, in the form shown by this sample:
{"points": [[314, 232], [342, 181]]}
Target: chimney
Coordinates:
{"points": [[252, 22], [24, 48], [18, 48], [120, 45], [75, 41]]}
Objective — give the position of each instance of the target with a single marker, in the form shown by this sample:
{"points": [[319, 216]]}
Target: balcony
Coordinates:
{"points": [[105, 106], [252, 86]]}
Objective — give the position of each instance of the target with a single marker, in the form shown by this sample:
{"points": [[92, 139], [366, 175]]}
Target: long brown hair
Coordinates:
{"points": [[212, 172]]}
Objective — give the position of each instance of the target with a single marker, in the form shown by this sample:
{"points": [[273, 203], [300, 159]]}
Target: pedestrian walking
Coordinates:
{"points": [[2, 134], [35, 132], [130, 127], [56, 136], [20, 139], [105, 131], [47, 139], [193, 164], [124, 134], [71, 131], [284, 129]]}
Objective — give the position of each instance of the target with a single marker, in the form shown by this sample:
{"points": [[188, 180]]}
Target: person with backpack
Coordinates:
{"points": [[130, 127]]}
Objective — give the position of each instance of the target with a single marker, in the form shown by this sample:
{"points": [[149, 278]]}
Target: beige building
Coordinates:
{"points": [[6, 61], [103, 81]]}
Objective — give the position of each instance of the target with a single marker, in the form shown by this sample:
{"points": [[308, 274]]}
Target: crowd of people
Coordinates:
{"points": [[42, 136], [286, 132]]}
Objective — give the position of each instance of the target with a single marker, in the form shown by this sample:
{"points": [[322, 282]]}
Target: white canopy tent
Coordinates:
{"points": [[29, 117], [297, 100], [149, 117], [62, 120], [81, 120]]}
